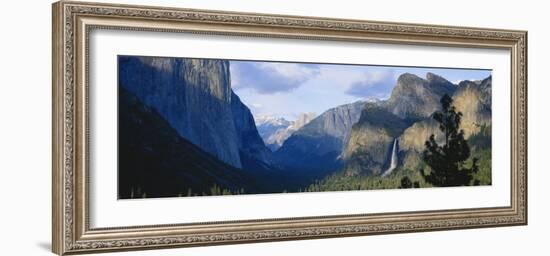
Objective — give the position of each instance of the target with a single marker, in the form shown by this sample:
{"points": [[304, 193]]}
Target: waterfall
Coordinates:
{"points": [[393, 160]]}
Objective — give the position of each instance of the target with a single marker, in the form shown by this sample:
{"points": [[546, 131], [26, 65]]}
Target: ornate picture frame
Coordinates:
{"points": [[72, 24]]}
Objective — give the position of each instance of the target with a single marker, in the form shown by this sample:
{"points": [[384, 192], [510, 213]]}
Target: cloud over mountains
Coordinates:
{"points": [[271, 77], [374, 84]]}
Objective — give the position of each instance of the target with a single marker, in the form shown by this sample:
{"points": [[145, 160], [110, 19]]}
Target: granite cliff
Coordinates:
{"points": [[155, 161], [406, 117], [318, 145], [194, 96]]}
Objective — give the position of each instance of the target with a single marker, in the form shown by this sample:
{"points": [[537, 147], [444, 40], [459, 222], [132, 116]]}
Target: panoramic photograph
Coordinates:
{"points": [[211, 127]]}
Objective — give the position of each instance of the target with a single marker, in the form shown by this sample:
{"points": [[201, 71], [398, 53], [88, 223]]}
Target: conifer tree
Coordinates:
{"points": [[406, 183], [446, 161]]}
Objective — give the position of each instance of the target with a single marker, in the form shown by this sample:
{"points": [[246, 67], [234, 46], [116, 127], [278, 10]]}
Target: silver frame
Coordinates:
{"points": [[72, 22]]}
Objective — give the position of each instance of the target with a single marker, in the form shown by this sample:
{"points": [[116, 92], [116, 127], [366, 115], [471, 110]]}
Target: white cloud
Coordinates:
{"points": [[373, 84], [256, 105], [270, 77], [297, 73]]}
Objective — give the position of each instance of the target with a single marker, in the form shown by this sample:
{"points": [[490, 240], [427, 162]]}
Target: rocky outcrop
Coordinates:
{"points": [[473, 99], [368, 150], [412, 102], [417, 98], [194, 96], [318, 145], [413, 139], [155, 161], [249, 142]]}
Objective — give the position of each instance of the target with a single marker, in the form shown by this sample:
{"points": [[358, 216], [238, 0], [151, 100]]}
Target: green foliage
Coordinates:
{"points": [[406, 183], [481, 139], [342, 182], [483, 176], [446, 161], [215, 190]]}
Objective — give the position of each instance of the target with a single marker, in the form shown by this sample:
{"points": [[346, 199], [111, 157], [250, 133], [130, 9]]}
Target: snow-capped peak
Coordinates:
{"points": [[275, 130], [271, 120]]}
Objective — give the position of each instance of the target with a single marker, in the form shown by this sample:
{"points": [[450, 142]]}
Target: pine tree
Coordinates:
{"points": [[406, 183], [447, 161]]}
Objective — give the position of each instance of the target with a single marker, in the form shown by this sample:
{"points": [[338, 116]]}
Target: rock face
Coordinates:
{"points": [[318, 145], [155, 161], [368, 150], [251, 146], [274, 131], [413, 139], [181, 116], [416, 98], [473, 99], [406, 116], [194, 96]]}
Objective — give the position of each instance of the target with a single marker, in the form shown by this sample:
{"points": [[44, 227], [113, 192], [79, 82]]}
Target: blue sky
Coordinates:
{"points": [[288, 89]]}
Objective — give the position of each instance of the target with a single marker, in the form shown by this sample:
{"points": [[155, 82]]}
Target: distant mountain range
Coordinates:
{"points": [[181, 120], [316, 147], [275, 130]]}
